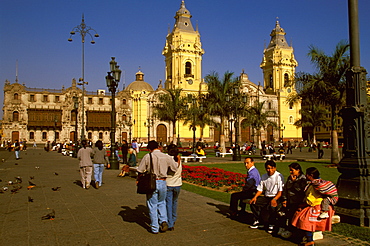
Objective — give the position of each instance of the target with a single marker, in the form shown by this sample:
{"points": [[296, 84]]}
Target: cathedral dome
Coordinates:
{"points": [[139, 84]]}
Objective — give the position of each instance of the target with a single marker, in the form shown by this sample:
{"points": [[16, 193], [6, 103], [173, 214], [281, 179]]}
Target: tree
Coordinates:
{"points": [[216, 98], [258, 118], [170, 108], [313, 116], [313, 112], [328, 84], [198, 113]]}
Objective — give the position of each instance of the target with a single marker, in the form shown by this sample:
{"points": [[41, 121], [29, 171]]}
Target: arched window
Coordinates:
{"points": [[291, 105], [270, 106], [124, 101], [286, 80], [291, 120], [32, 135], [124, 118], [89, 135], [188, 68], [271, 82], [100, 135], [15, 116], [16, 97]]}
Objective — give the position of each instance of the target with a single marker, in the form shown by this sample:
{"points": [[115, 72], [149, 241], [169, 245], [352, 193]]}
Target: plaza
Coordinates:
{"points": [[113, 214]]}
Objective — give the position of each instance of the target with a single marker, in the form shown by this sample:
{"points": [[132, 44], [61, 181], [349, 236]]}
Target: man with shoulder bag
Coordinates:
{"points": [[156, 200]]}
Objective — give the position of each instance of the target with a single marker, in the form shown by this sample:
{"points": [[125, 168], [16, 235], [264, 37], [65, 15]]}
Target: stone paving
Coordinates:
{"points": [[111, 215]]}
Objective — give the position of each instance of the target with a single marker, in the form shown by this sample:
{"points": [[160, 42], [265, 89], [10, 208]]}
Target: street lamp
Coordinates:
{"points": [[83, 30], [239, 101], [112, 80], [75, 102], [282, 128], [149, 124], [129, 124], [55, 128]]}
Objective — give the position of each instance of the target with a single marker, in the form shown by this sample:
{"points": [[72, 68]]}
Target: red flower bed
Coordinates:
{"points": [[213, 177]]}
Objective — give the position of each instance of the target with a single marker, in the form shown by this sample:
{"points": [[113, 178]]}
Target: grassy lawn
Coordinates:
{"points": [[327, 173]]}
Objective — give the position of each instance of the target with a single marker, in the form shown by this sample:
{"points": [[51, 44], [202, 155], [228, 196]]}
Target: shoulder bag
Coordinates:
{"points": [[146, 182]]}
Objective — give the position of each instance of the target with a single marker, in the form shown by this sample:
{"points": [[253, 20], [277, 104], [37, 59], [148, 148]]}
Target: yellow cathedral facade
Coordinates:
{"points": [[40, 115]]}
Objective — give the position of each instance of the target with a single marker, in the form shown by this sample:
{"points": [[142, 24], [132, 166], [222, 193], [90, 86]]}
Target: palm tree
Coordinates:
{"points": [[328, 85], [258, 118], [216, 98], [198, 114], [313, 116], [171, 108]]}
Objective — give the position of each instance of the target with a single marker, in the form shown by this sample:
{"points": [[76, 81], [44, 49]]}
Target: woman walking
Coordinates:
{"points": [[100, 155], [84, 156]]}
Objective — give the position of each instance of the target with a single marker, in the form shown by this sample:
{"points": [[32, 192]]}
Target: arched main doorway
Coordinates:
{"points": [[161, 134], [245, 133]]}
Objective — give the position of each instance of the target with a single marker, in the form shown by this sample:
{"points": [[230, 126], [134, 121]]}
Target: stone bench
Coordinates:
{"points": [[186, 158], [274, 157], [224, 154]]}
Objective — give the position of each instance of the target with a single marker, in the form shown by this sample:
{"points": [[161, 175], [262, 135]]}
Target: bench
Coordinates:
{"points": [[185, 158], [224, 154], [274, 156]]}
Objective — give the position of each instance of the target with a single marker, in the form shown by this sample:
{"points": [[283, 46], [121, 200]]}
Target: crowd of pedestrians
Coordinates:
{"points": [[295, 208]]}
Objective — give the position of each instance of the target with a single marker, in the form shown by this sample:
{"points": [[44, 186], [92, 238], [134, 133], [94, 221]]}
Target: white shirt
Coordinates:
{"points": [[271, 185]]}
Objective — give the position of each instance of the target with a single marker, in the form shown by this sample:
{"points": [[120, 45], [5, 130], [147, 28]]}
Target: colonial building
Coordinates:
{"points": [[41, 115]]}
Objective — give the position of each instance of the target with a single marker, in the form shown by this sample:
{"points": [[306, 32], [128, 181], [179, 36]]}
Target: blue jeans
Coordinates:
{"points": [[16, 154], [171, 204], [156, 203], [98, 173], [117, 155]]}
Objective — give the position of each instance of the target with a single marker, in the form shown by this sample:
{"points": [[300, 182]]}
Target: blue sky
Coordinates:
{"points": [[233, 34]]}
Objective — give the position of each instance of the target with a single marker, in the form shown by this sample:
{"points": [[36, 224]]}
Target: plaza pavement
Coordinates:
{"points": [[113, 214]]}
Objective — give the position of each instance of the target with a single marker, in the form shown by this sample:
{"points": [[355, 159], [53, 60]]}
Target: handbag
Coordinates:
{"points": [[146, 182]]}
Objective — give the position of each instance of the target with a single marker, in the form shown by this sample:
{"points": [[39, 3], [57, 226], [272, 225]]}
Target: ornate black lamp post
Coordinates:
{"points": [[129, 124], [83, 30], [112, 80], [282, 128], [353, 183], [75, 104]]}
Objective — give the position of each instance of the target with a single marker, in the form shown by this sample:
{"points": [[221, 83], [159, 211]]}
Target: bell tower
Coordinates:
{"points": [[278, 66], [183, 54]]}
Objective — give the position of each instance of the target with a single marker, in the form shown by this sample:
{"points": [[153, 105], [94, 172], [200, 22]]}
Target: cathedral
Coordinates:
{"points": [[40, 115]]}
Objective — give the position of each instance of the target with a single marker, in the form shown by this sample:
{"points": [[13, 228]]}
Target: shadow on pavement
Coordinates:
{"points": [[137, 215]]}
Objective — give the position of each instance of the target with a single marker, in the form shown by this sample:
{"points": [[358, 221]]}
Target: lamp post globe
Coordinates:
{"points": [[112, 80]]}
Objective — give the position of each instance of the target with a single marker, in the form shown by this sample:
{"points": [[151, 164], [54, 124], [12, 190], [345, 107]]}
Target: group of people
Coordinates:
{"points": [[90, 158], [300, 206], [162, 203]]}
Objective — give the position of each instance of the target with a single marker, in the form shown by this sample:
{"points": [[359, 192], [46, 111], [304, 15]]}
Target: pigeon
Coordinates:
{"points": [[56, 188], [5, 188], [10, 182], [32, 177], [56, 173], [16, 189], [1, 180], [31, 183], [15, 163], [37, 168], [49, 216], [30, 199], [19, 179], [3, 160]]}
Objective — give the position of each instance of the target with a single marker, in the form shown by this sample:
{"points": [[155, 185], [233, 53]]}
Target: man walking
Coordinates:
{"points": [[156, 201]]}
